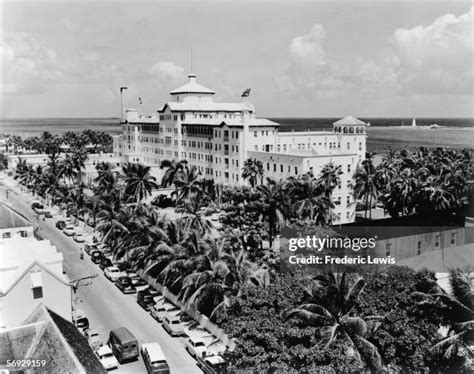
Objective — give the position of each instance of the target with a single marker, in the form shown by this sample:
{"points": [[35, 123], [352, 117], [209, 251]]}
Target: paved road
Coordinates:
{"points": [[106, 307]]}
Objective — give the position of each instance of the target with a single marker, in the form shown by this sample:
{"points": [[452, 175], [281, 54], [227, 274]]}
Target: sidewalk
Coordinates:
{"points": [[12, 184]]}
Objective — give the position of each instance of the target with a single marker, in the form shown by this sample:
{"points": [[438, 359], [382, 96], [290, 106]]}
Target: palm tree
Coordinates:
{"points": [[188, 180], [172, 168], [253, 171], [330, 179], [79, 157], [331, 308], [365, 185], [138, 181], [193, 218], [308, 199], [457, 309], [275, 205]]}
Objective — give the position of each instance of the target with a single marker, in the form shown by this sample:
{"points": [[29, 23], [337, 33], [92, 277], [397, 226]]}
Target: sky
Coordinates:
{"points": [[300, 58]]}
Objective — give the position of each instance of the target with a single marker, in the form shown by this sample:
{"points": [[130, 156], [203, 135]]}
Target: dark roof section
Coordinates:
{"points": [[401, 226], [10, 218], [46, 335]]}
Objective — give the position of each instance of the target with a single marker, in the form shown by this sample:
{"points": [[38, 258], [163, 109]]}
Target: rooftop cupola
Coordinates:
{"points": [[192, 87], [349, 125]]}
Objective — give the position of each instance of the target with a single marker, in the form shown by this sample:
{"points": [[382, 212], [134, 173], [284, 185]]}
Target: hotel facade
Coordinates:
{"points": [[218, 137]]}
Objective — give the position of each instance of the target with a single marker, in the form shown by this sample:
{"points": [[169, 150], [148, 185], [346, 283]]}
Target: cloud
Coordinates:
{"points": [[437, 58], [27, 66], [308, 72], [432, 59], [167, 71], [69, 24]]}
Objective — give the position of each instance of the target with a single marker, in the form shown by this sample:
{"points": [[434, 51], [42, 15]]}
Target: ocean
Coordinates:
{"points": [[384, 133]]}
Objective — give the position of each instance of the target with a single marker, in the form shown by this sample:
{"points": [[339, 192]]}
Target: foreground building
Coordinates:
{"points": [[55, 343], [31, 272], [217, 138]]}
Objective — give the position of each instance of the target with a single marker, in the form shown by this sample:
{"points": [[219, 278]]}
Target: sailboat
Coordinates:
{"points": [[368, 124], [413, 123]]}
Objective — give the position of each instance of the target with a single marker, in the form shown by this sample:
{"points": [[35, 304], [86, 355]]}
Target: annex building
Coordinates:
{"points": [[217, 137]]}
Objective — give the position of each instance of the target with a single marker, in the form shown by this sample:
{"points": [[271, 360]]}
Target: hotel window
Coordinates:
{"points": [[388, 248], [6, 235], [255, 134], [348, 200], [289, 168], [348, 215], [348, 184], [237, 148], [436, 240], [349, 168], [284, 147], [338, 202], [268, 166], [274, 167], [339, 185], [263, 133], [37, 285], [348, 145], [278, 147], [256, 148], [453, 238], [296, 170], [281, 168], [360, 146]]}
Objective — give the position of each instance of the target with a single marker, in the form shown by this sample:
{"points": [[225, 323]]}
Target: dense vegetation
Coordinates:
{"points": [[230, 272]]}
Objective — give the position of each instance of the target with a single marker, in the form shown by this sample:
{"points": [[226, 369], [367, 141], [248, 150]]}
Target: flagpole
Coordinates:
{"points": [[121, 102]]}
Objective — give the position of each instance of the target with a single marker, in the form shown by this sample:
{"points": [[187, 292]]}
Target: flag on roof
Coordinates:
{"points": [[123, 88], [246, 93], [140, 101]]}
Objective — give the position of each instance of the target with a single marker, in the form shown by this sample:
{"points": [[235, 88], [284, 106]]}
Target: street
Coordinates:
{"points": [[104, 304]]}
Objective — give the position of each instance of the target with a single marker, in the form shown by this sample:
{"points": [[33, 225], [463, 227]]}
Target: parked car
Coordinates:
{"points": [[96, 257], [36, 205], [60, 225], [160, 311], [69, 230], [124, 266], [172, 324], [152, 291], [196, 346], [105, 262], [125, 285], [79, 237], [48, 214], [123, 344], [81, 321], [93, 338], [137, 281], [154, 359], [90, 247], [113, 273], [144, 299], [105, 249], [107, 358], [212, 364]]}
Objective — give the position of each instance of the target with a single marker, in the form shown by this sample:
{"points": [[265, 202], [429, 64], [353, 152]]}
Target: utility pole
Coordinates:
{"points": [[74, 285]]}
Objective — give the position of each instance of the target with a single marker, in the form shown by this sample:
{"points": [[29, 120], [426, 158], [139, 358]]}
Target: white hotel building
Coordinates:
{"points": [[218, 137]]}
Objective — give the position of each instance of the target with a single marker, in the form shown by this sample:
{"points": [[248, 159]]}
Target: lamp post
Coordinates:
{"points": [[121, 102]]}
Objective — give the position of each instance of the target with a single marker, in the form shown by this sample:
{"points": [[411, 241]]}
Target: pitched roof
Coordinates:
{"points": [[9, 282], [349, 120], [192, 87], [45, 334], [10, 218]]}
